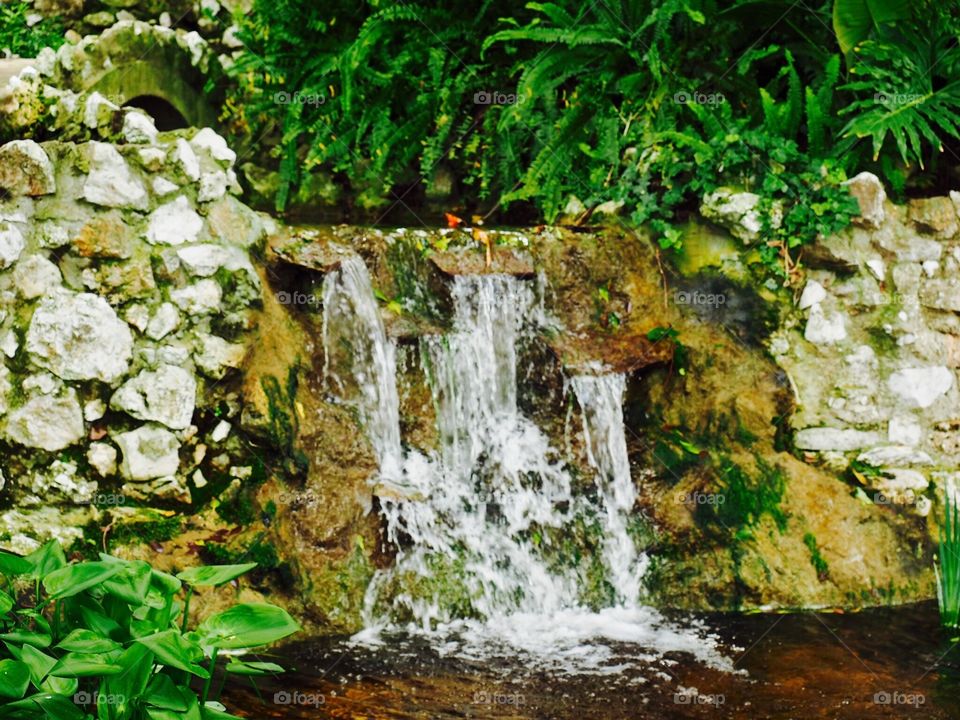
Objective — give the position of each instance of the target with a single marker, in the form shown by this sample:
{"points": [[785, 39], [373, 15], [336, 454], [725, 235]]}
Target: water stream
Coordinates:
{"points": [[480, 525]]}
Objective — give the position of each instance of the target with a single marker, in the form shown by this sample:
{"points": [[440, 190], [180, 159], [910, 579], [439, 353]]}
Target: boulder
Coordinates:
{"points": [[25, 169], [166, 395], [78, 336], [47, 422], [111, 182], [149, 452]]}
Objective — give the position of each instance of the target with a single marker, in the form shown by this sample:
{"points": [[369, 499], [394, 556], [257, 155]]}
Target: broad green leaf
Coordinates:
{"points": [[213, 575], [247, 625], [162, 693], [129, 685], [98, 621], [40, 665], [11, 564], [73, 579], [132, 583], [82, 665], [165, 584], [854, 20], [44, 705], [6, 603], [14, 678], [82, 640], [191, 713], [27, 637], [46, 559], [172, 649], [238, 667]]}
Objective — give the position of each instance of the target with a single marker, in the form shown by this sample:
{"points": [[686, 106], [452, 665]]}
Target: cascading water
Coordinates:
{"points": [[477, 526], [354, 338]]}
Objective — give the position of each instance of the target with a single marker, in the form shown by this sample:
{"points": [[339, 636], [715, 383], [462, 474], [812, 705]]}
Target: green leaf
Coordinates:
{"points": [[14, 678], [44, 705], [73, 579], [129, 685], [247, 625], [6, 603], [172, 649], [40, 665], [82, 640], [163, 693], [164, 584], [238, 667], [27, 637], [132, 583], [215, 711], [213, 575], [854, 20], [83, 665], [11, 564]]}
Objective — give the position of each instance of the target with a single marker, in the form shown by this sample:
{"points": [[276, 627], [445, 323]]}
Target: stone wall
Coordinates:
{"points": [[127, 299]]}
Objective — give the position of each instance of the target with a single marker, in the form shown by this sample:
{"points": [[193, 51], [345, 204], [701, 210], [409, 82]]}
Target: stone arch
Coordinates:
{"points": [[165, 115]]}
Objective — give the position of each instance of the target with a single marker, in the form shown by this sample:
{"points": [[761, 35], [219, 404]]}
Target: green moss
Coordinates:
{"points": [[883, 342], [158, 529], [816, 559], [745, 500]]}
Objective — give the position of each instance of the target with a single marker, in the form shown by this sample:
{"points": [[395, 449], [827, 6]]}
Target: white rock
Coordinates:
{"points": [[35, 275], [186, 159], [137, 315], [930, 268], [148, 452], [93, 410], [173, 355], [823, 330], [904, 430], [47, 422], [214, 355], [207, 139], [152, 158], [165, 320], [842, 439], [165, 19], [111, 183], [199, 480], [42, 382], [886, 455], [877, 267], [78, 336], [102, 458], [60, 481], [11, 244], [9, 343], [231, 39], [25, 169], [97, 110], [163, 187], [813, 294], [138, 128], [213, 186], [166, 395], [202, 297], [204, 260], [922, 386], [221, 431], [174, 223], [868, 190]]}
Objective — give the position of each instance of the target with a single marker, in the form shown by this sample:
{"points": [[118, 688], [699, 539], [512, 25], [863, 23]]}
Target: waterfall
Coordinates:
{"points": [[360, 361], [479, 524], [601, 402]]}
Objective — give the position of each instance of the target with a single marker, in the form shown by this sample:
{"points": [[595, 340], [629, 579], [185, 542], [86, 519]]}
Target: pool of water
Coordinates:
{"points": [[885, 663]]}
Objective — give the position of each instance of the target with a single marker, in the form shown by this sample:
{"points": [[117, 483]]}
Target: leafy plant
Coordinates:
{"points": [[947, 565], [109, 638], [22, 38]]}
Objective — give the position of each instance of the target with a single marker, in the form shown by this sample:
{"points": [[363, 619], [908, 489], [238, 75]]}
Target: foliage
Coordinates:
{"points": [[646, 104], [108, 639], [947, 565], [22, 38]]}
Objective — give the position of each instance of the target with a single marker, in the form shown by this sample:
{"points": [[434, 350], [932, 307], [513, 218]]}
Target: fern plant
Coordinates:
{"points": [[906, 86]]}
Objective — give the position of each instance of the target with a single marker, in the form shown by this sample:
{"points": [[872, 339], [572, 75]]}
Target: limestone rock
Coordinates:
{"points": [[936, 215], [35, 275], [204, 296], [921, 386], [171, 488], [102, 458], [25, 169], [164, 321], [213, 186], [868, 190], [841, 439], [207, 140], [107, 235], [904, 430], [148, 452], [204, 260], [166, 395], [48, 422], [60, 481], [824, 330], [78, 336], [813, 294], [174, 223], [736, 211], [11, 244], [941, 294], [111, 183], [214, 355], [186, 160], [138, 128]]}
